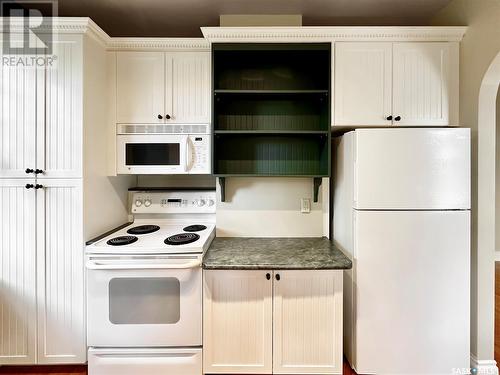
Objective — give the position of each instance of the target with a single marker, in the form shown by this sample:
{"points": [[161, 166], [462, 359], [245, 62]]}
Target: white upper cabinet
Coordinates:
{"points": [[422, 83], [405, 84], [140, 87], [59, 125], [17, 272], [363, 83], [191, 90], [158, 87], [60, 272], [17, 119]]}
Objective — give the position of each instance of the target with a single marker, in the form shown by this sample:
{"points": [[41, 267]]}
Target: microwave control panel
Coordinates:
{"points": [[175, 202]]}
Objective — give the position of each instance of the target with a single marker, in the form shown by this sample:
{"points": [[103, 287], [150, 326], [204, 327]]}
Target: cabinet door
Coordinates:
{"points": [[17, 273], [60, 272], [363, 83], [421, 79], [237, 322], [188, 87], [17, 119], [140, 87], [307, 336], [59, 130]]}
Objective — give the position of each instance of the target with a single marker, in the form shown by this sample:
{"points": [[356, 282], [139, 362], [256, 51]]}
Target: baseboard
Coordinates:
{"points": [[483, 366], [497, 256]]}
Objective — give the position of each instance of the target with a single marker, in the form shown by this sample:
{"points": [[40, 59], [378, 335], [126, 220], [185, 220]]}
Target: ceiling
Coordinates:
{"points": [[183, 18]]}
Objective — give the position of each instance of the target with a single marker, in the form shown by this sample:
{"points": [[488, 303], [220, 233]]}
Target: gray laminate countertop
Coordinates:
{"points": [[235, 253]]}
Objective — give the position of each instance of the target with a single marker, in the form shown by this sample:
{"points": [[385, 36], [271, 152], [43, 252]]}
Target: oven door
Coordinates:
{"points": [[139, 301], [152, 154]]}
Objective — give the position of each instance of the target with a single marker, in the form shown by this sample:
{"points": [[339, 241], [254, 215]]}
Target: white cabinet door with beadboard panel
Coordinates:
{"points": [[17, 272], [363, 83], [140, 87], [60, 119], [188, 78], [17, 119], [307, 333], [422, 83], [60, 272], [237, 322]]}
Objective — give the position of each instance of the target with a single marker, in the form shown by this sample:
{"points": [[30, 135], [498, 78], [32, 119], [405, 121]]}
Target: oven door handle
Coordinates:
{"points": [[113, 265]]}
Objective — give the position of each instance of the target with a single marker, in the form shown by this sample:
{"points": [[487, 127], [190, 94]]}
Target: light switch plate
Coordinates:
{"points": [[305, 205]]}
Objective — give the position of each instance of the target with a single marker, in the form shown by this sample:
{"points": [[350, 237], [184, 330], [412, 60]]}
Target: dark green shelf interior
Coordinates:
{"points": [[272, 155], [307, 112], [271, 109]]}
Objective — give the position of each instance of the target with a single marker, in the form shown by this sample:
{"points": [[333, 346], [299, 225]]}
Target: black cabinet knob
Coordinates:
{"points": [[278, 277], [38, 171], [29, 170], [38, 186], [268, 276], [397, 118], [389, 118], [167, 116], [160, 117], [29, 186]]}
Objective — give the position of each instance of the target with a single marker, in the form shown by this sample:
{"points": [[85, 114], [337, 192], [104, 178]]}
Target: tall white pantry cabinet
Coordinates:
{"points": [[52, 172]]}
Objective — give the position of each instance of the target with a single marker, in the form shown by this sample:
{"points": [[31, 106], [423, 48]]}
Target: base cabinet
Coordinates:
{"points": [[282, 322]]}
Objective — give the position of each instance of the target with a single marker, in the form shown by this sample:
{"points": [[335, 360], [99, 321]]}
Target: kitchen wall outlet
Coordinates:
{"points": [[305, 205]]}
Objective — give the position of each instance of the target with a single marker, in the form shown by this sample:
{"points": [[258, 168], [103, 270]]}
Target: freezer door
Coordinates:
{"points": [[411, 292], [412, 169], [157, 361]]}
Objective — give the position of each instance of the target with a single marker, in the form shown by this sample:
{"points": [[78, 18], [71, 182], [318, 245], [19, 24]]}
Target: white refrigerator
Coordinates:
{"points": [[402, 214]]}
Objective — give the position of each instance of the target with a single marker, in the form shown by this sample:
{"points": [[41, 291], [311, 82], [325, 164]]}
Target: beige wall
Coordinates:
{"points": [[497, 178], [478, 48]]}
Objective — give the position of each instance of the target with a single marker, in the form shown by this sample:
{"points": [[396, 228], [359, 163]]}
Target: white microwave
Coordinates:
{"points": [[163, 153]]}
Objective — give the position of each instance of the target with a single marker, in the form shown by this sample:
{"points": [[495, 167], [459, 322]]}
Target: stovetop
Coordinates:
{"points": [[157, 237]]}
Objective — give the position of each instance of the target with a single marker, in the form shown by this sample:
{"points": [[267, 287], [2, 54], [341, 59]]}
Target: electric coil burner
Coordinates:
{"points": [[122, 240], [143, 229], [182, 238], [195, 228]]}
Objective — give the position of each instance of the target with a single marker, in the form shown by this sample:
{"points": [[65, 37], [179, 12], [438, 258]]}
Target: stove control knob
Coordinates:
{"points": [[147, 202], [138, 203], [200, 202], [211, 202]]}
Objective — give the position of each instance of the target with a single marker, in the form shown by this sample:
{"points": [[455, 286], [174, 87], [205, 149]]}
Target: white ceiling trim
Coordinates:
{"points": [[84, 25], [333, 33]]}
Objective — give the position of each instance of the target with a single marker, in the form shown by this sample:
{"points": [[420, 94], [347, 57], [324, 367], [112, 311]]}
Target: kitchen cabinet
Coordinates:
{"points": [[403, 83], [41, 117], [283, 322], [60, 272], [237, 322], [17, 273], [163, 88]]}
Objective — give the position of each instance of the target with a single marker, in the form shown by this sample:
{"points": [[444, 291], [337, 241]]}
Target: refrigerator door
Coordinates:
{"points": [[410, 308], [412, 169]]}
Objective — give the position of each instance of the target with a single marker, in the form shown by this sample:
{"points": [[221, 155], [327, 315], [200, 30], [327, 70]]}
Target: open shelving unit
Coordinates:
{"points": [[271, 110]]}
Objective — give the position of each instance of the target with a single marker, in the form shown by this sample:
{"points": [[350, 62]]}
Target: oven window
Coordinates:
{"points": [[154, 300], [152, 153]]}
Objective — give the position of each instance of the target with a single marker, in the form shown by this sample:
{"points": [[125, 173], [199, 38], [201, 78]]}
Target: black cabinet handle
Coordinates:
{"points": [[397, 118], [29, 186], [29, 170], [38, 186], [160, 117], [268, 276], [167, 116], [389, 118], [278, 277], [38, 171]]}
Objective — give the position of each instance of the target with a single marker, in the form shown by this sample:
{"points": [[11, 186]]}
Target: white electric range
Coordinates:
{"points": [[144, 287]]}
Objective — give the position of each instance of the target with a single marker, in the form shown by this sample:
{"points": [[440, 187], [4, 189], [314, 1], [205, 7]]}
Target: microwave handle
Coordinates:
{"points": [[189, 154], [102, 265]]}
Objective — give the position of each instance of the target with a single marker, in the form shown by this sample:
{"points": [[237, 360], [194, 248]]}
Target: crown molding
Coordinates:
{"points": [[145, 44], [333, 33]]}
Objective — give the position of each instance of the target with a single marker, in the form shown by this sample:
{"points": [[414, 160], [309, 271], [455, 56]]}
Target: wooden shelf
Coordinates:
{"points": [[278, 132], [326, 92]]}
